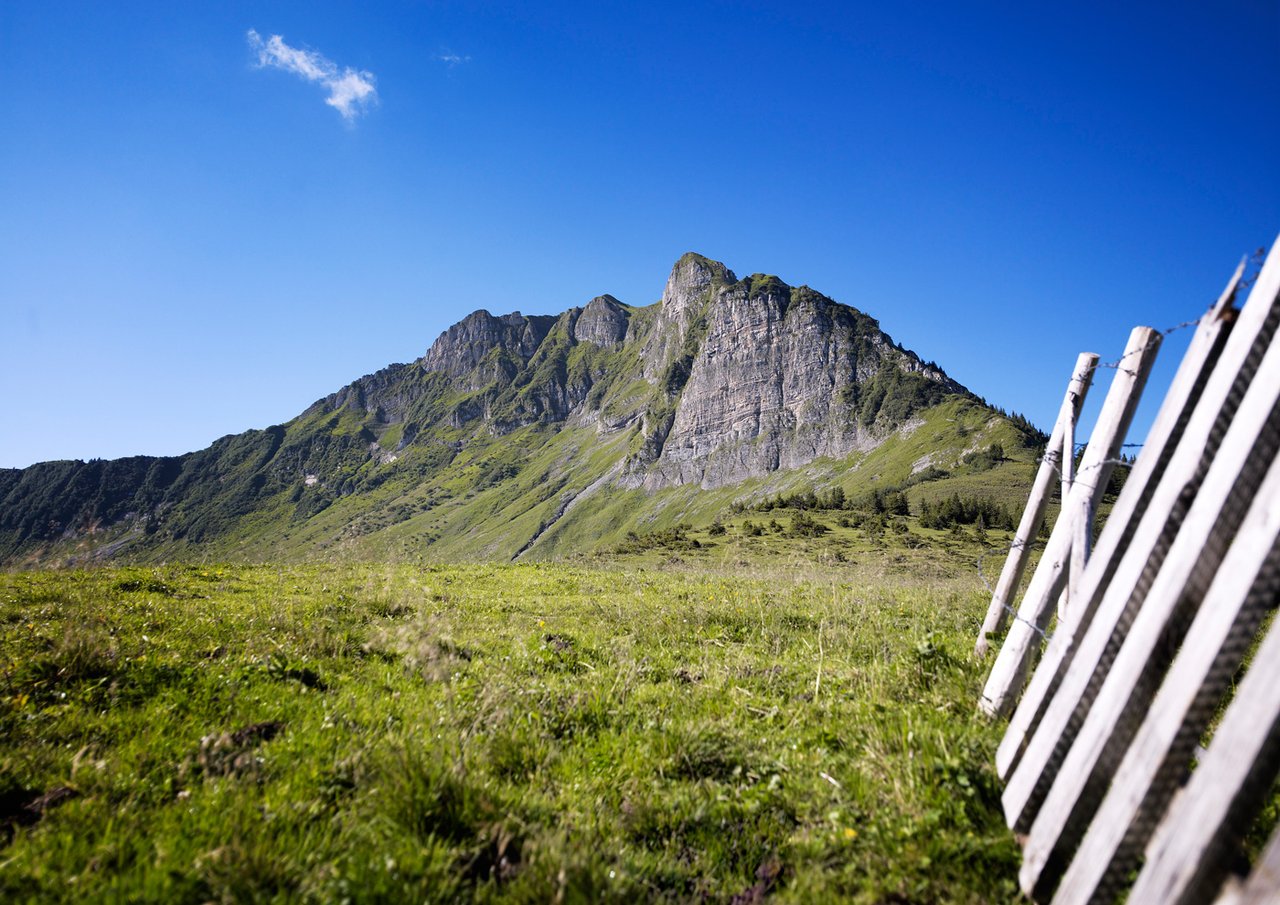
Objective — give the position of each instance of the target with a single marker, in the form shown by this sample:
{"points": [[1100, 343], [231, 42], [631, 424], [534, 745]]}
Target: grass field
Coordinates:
{"points": [[508, 733]]}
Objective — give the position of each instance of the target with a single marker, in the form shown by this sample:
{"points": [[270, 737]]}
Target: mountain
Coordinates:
{"points": [[540, 435]]}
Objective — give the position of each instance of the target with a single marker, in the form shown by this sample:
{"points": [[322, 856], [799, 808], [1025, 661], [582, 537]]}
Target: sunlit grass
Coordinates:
{"points": [[515, 733]]}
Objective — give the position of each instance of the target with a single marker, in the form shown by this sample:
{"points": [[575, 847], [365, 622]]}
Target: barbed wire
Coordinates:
{"points": [[1057, 469], [1082, 445], [1011, 611], [1118, 364], [1251, 269], [1016, 544]]}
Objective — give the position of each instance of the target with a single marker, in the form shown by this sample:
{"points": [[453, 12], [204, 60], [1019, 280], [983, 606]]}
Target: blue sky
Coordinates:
{"points": [[193, 244]]}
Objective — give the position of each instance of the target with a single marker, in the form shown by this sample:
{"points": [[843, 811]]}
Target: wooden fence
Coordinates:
{"points": [[1140, 637]]}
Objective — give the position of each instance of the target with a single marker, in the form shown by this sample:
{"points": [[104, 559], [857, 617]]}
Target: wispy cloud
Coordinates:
{"points": [[350, 90], [453, 59]]}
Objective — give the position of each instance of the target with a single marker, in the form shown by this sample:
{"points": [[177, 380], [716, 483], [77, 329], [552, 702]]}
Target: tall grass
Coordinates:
{"points": [[506, 733]]}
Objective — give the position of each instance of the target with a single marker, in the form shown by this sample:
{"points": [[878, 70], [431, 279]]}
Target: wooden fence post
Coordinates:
{"points": [[1188, 856], [1080, 541], [1009, 672], [1037, 503], [1159, 759], [1112, 680], [1164, 440]]}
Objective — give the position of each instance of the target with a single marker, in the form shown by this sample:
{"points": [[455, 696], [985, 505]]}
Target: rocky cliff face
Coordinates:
{"points": [[722, 380], [602, 322], [384, 395], [485, 348], [680, 321], [746, 376], [774, 385]]}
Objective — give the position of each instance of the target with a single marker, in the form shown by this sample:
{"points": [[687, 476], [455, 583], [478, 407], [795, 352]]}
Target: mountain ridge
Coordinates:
{"points": [[509, 423]]}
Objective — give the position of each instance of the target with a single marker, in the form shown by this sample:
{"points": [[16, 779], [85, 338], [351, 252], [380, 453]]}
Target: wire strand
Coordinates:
{"points": [[1253, 267]]}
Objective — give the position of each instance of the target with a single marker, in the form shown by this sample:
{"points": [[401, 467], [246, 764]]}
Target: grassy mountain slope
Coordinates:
{"points": [[532, 437]]}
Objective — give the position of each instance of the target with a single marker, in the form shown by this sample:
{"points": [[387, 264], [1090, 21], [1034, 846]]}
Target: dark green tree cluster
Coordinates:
{"points": [[804, 500], [893, 395], [888, 501], [954, 510], [803, 525], [891, 499], [924, 476], [50, 498], [675, 538]]}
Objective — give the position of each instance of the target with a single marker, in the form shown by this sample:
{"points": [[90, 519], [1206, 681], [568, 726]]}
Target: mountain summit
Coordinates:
{"points": [[532, 435]]}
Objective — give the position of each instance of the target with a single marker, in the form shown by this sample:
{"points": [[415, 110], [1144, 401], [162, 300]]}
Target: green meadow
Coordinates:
{"points": [[711, 715]]}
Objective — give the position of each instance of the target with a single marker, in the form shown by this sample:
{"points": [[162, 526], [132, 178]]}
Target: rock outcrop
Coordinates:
{"points": [[603, 322], [773, 382], [487, 348]]}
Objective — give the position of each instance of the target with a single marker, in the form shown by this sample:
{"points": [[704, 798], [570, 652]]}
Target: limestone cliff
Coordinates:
{"points": [[746, 376]]}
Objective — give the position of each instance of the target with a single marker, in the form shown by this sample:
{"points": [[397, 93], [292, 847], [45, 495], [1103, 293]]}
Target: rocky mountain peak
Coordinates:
{"points": [[603, 321], [693, 281], [464, 346], [722, 381], [690, 279]]}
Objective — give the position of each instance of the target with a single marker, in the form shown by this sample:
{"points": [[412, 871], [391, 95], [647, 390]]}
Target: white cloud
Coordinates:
{"points": [[350, 90], [452, 59]]}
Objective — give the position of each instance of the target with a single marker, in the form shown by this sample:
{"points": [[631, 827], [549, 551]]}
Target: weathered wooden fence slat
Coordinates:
{"points": [[1188, 856], [1068, 453], [1037, 503], [1008, 674], [1165, 517], [1081, 545], [1160, 757], [1166, 431], [1103, 773], [1109, 681]]}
